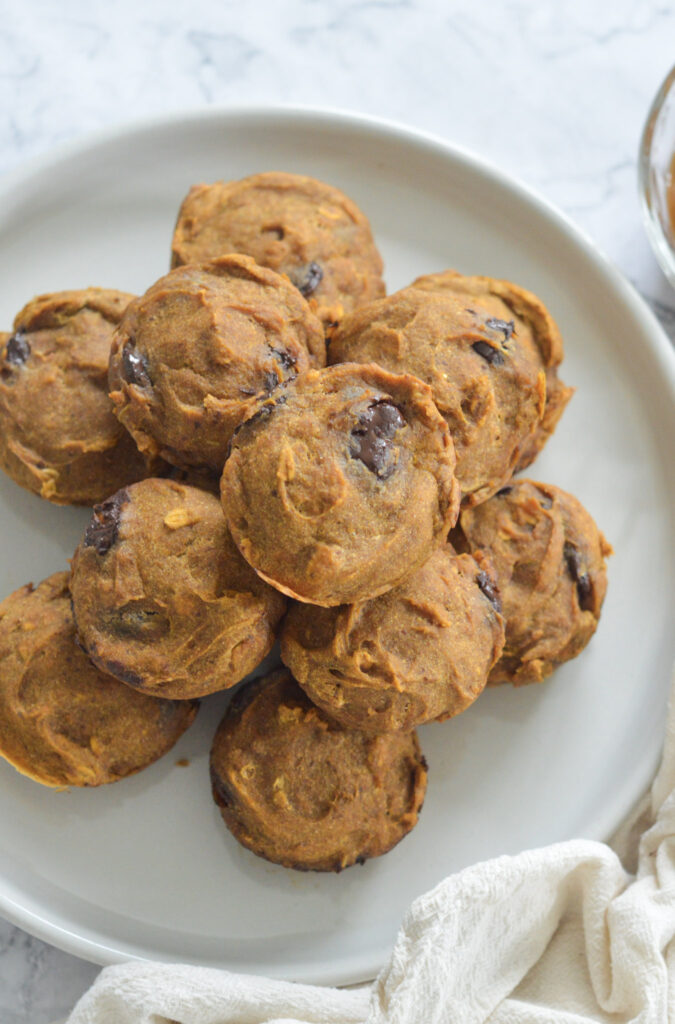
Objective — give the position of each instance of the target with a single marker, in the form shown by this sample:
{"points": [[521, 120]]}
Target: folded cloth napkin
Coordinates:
{"points": [[574, 933]]}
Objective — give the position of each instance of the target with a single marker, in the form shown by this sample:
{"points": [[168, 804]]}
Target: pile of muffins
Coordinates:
{"points": [[274, 448]]}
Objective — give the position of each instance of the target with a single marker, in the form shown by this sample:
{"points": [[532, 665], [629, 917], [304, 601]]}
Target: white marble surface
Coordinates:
{"points": [[554, 92]]}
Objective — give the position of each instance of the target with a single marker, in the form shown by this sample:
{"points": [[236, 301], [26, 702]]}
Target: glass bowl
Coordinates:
{"points": [[656, 176]]}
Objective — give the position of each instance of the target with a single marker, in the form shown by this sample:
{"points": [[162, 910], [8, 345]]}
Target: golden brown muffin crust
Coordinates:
{"points": [[300, 790], [342, 484], [549, 559], [293, 224], [62, 721], [191, 356], [162, 598], [58, 435], [420, 652]]}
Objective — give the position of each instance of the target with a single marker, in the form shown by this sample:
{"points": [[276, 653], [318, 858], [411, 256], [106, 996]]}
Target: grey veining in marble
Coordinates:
{"points": [[553, 92], [38, 983]]}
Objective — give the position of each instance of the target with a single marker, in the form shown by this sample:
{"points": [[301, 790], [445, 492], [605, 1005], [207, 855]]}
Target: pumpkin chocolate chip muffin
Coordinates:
{"points": [[59, 437], [293, 224], [162, 598], [489, 387], [549, 560], [420, 652], [300, 790], [341, 484], [62, 721], [527, 316], [191, 356]]}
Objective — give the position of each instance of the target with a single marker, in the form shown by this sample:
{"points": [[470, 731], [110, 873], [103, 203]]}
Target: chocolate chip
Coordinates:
{"points": [[371, 439], [287, 362], [360, 859], [571, 556], [18, 349], [101, 533], [582, 579], [489, 588], [506, 326], [488, 352], [285, 358], [135, 366], [270, 382], [307, 279], [585, 592], [472, 311], [504, 491], [545, 501]]}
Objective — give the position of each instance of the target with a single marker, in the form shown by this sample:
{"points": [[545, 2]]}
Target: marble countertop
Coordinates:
{"points": [[554, 93]]}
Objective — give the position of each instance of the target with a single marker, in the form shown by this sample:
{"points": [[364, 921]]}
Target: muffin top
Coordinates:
{"points": [[420, 652], [488, 386], [194, 353], [302, 791], [162, 598], [549, 560], [341, 484], [62, 721], [532, 322], [59, 437], [293, 224]]}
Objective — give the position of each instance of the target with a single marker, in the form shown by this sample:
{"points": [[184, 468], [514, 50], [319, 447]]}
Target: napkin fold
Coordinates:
{"points": [[574, 933]]}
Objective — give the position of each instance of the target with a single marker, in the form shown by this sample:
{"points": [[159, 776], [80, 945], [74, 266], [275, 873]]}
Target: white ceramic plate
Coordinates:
{"points": [[145, 868]]}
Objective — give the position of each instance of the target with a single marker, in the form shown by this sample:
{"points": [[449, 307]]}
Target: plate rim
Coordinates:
{"points": [[351, 970], [71, 148]]}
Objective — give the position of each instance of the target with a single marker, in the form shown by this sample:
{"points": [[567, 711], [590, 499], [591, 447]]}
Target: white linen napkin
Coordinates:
{"points": [[569, 934]]}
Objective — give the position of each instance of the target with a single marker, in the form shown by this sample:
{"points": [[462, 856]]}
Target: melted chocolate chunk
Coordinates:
{"points": [[504, 490], [488, 352], [135, 366], [506, 326], [101, 533], [18, 349], [585, 592], [582, 579], [307, 279], [371, 439], [489, 588], [270, 382], [285, 358]]}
